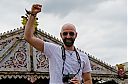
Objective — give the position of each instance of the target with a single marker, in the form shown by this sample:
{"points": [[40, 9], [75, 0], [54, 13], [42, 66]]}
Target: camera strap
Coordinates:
{"points": [[64, 58]]}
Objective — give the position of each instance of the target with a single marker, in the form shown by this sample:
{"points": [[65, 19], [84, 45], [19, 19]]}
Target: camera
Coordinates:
{"points": [[66, 78]]}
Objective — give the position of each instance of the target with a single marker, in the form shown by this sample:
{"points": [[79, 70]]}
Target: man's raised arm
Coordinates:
{"points": [[29, 29]]}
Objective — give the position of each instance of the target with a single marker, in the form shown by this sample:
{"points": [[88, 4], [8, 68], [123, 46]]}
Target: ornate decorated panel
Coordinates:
{"points": [[17, 59], [98, 69], [40, 61], [6, 43]]}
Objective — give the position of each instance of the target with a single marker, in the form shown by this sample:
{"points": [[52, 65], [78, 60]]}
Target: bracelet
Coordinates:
{"points": [[33, 14], [30, 13]]}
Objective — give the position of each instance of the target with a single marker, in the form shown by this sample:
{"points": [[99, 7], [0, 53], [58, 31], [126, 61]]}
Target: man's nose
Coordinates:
{"points": [[68, 36]]}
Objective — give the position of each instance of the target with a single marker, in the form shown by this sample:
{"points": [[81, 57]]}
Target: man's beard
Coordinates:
{"points": [[68, 41]]}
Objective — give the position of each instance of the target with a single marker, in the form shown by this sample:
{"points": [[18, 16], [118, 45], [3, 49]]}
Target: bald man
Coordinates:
{"points": [[67, 65]]}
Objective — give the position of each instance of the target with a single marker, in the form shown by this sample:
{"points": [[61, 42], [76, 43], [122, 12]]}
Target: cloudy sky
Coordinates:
{"points": [[101, 24]]}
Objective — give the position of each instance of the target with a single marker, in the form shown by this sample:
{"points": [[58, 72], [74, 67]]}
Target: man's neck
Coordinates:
{"points": [[69, 48]]}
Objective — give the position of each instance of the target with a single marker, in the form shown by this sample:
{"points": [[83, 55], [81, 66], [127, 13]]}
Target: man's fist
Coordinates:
{"points": [[36, 8]]}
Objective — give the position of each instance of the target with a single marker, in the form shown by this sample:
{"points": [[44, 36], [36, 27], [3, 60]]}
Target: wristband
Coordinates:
{"points": [[30, 13]]}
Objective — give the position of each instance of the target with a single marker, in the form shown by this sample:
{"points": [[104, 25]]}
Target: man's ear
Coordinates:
{"points": [[76, 35], [60, 34]]}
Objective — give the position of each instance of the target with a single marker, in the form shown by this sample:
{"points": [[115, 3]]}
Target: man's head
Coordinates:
{"points": [[68, 34]]}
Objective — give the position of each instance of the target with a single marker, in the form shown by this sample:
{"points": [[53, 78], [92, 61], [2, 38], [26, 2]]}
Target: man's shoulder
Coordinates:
{"points": [[82, 53], [52, 45]]}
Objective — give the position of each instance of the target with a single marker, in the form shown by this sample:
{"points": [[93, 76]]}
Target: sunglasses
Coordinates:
{"points": [[70, 33]]}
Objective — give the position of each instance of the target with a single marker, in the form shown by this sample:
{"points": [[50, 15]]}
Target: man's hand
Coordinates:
{"points": [[36, 8], [75, 80]]}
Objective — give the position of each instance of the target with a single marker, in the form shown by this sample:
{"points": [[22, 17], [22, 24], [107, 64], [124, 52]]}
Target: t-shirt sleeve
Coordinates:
{"points": [[87, 65], [49, 48]]}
